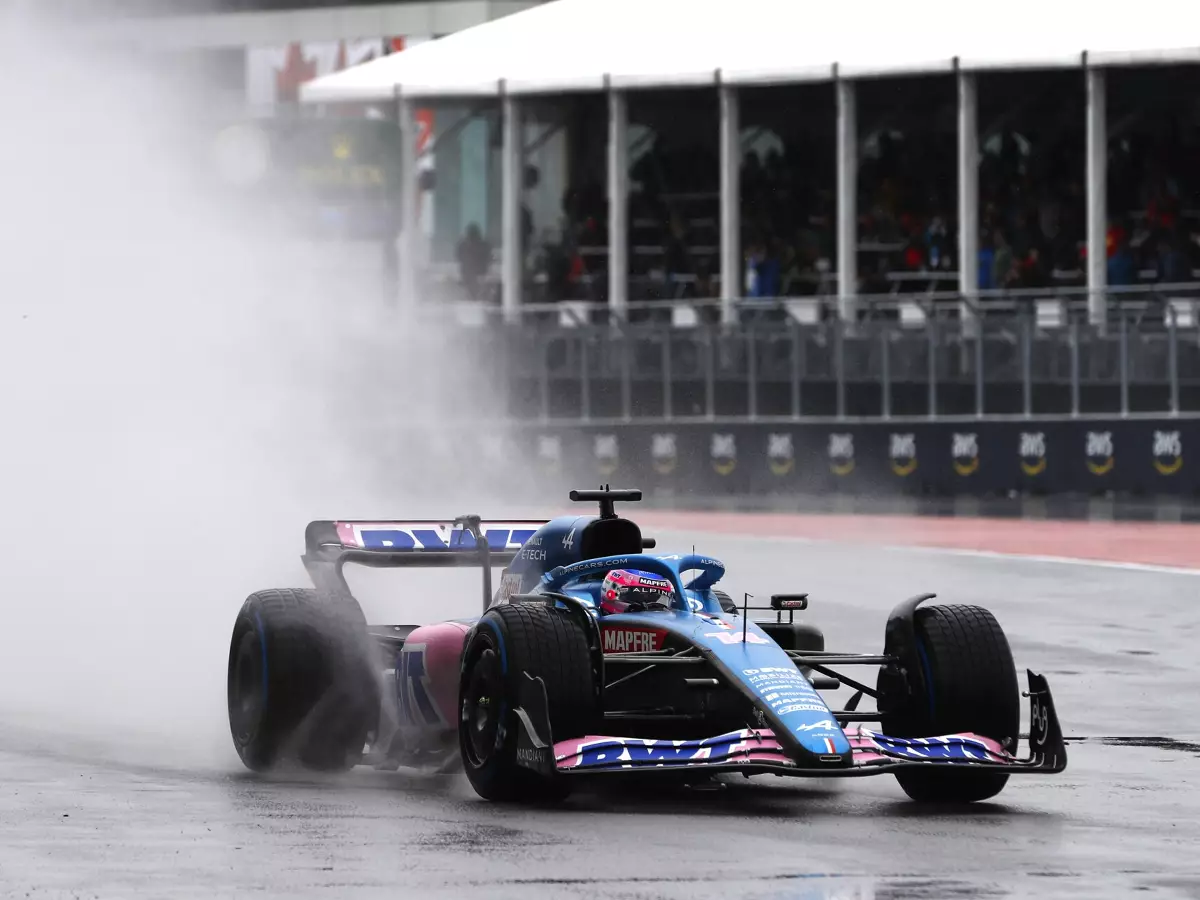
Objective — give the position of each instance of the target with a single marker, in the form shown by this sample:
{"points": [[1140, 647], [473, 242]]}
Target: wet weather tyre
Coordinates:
{"points": [[727, 603], [509, 641], [967, 683], [303, 688]]}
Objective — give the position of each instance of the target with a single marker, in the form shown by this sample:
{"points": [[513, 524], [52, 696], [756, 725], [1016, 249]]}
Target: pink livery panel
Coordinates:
{"points": [[427, 676]]}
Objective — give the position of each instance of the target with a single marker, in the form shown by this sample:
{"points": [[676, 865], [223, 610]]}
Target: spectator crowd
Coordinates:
{"points": [[1032, 228]]}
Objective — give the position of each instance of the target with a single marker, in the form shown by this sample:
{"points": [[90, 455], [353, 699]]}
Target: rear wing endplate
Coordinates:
{"points": [[420, 543]]}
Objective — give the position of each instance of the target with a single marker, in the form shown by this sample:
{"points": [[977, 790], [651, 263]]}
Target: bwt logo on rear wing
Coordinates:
{"points": [[417, 543], [424, 536]]}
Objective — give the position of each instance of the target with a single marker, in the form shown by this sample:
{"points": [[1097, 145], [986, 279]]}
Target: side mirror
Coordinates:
{"points": [[781, 602]]}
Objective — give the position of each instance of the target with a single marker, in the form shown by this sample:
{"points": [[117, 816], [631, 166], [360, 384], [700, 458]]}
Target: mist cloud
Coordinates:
{"points": [[181, 391]]}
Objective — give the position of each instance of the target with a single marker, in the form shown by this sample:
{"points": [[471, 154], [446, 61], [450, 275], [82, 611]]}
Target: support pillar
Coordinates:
{"points": [[408, 240], [847, 201], [731, 203], [968, 199], [512, 183], [618, 203], [1097, 198]]}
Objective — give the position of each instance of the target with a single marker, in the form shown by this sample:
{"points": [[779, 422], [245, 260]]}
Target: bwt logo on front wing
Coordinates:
{"points": [[625, 752], [632, 640], [653, 752]]}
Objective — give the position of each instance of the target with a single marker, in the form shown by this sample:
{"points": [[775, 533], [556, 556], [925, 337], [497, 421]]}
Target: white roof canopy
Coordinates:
{"points": [[586, 45]]}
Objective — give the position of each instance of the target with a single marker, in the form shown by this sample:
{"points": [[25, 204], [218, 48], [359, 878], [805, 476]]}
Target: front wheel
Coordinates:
{"points": [[727, 603], [507, 644], [968, 683]]}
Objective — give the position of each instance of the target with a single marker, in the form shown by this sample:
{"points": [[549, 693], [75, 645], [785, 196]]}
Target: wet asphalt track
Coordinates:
{"points": [[1118, 648]]}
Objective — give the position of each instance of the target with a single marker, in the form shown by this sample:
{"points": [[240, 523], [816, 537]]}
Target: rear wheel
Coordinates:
{"points": [[508, 642], [969, 685], [302, 684]]}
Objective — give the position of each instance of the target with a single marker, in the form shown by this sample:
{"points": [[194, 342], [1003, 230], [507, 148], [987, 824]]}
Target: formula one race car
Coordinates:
{"points": [[593, 657]]}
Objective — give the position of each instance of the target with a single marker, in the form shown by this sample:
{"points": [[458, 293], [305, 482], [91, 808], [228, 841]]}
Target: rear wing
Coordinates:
{"points": [[422, 543]]}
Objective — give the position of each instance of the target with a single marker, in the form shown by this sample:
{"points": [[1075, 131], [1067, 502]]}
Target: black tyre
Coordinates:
{"points": [[509, 641], [727, 603], [966, 682], [303, 687]]}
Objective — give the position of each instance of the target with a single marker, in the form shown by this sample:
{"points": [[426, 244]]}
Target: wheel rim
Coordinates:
{"points": [[247, 700], [481, 708]]}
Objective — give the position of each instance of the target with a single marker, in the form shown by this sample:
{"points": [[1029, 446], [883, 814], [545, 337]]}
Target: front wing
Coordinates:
{"points": [[758, 751]]}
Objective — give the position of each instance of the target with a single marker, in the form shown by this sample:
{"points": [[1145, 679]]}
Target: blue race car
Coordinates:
{"points": [[595, 658]]}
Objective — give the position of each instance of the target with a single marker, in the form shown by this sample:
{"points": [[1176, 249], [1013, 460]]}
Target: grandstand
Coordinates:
{"points": [[903, 219]]}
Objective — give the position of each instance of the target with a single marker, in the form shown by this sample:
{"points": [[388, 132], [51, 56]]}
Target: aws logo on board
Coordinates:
{"points": [[492, 447], [781, 454], [343, 147], [902, 452], [841, 454], [1033, 453], [607, 451], [1099, 452], [549, 451], [723, 451], [663, 454], [964, 451], [496, 450], [1168, 452]]}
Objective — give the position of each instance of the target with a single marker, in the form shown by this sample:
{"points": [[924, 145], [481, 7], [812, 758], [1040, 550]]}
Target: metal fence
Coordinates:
{"points": [[1017, 354]]}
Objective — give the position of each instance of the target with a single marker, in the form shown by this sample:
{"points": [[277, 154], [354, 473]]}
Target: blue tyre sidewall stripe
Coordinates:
{"points": [[503, 713], [500, 641], [928, 672]]}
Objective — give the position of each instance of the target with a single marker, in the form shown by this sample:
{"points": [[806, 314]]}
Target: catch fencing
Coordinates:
{"points": [[1029, 356]]}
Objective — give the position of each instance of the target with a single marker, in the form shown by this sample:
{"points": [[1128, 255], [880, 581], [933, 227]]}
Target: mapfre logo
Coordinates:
{"points": [[1101, 456], [662, 453], [1033, 452], [1168, 452], [549, 451], [723, 451], [902, 451], [781, 454], [606, 449], [632, 640], [841, 454], [964, 451]]}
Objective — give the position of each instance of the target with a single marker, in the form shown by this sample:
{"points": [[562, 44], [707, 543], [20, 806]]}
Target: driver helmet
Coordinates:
{"points": [[630, 590]]}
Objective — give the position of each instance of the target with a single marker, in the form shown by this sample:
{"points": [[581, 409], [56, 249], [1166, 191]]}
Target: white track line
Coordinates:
{"points": [[957, 551]]}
